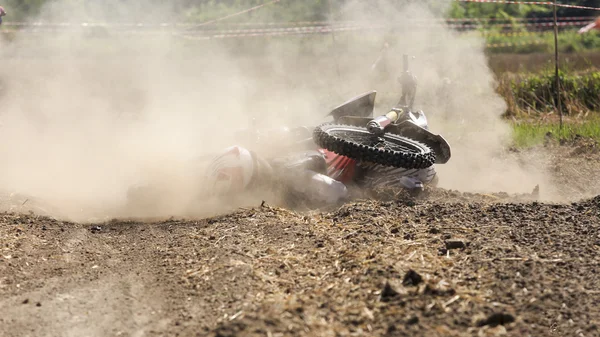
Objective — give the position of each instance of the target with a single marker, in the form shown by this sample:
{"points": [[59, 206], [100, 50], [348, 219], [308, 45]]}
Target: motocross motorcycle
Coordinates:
{"points": [[399, 139]]}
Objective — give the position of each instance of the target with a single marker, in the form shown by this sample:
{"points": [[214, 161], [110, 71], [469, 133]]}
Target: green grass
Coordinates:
{"points": [[531, 133]]}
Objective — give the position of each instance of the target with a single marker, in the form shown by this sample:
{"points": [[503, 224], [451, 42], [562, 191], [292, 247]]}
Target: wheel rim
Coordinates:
{"points": [[364, 137]]}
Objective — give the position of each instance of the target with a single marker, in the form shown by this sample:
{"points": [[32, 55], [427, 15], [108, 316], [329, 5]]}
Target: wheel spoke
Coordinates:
{"points": [[389, 149], [366, 138]]}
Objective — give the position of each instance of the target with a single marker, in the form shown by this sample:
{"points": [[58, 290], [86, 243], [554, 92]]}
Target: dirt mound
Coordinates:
{"points": [[588, 203], [368, 268]]}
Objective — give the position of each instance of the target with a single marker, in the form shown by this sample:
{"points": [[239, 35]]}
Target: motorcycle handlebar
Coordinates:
{"points": [[378, 124]]}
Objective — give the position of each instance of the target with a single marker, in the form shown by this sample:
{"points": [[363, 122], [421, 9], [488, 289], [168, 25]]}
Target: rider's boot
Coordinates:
{"points": [[416, 183], [317, 188]]}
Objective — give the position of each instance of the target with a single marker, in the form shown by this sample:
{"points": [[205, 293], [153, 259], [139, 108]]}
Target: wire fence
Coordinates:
{"points": [[219, 27], [485, 28], [470, 23], [545, 3]]}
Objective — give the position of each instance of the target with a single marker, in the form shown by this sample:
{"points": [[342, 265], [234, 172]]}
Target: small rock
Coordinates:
{"points": [[436, 291], [412, 278], [434, 230], [456, 243], [412, 320], [96, 229], [25, 301], [388, 292], [38, 304], [496, 319]]}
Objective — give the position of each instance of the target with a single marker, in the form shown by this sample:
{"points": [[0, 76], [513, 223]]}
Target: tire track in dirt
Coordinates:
{"points": [[77, 282]]}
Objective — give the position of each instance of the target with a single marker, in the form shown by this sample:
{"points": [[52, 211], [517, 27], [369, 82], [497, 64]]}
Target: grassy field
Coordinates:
{"points": [[532, 106], [527, 133]]}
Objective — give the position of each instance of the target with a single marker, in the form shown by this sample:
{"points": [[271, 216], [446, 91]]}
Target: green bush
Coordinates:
{"points": [[536, 93]]}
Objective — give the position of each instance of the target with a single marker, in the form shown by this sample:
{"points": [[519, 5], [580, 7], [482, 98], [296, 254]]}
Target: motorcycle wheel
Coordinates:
{"points": [[388, 149]]}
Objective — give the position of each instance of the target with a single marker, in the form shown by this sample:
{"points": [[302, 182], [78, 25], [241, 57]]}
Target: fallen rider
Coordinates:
{"points": [[321, 176], [317, 175]]}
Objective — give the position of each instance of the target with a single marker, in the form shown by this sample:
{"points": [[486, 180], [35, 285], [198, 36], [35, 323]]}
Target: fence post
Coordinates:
{"points": [[557, 79], [336, 56]]}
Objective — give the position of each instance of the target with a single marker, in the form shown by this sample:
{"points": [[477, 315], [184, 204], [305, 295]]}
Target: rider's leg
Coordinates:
{"points": [[236, 170], [419, 179], [379, 176], [317, 187], [304, 175]]}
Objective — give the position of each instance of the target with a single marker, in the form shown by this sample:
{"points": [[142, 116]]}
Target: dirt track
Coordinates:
{"points": [[448, 264]]}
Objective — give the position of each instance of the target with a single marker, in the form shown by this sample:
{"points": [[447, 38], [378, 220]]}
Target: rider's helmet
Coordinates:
{"points": [[230, 172]]}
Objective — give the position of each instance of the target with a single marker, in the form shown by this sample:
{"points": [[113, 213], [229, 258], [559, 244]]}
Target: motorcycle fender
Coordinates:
{"points": [[437, 143], [360, 106]]}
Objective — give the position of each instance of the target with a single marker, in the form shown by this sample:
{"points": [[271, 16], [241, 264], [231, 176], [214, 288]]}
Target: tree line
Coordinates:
{"points": [[284, 10]]}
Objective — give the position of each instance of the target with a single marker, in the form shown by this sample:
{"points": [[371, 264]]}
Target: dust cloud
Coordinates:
{"points": [[457, 92], [86, 114]]}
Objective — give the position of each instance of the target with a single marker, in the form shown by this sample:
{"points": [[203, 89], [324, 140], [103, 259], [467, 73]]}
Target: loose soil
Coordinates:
{"points": [[441, 264]]}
